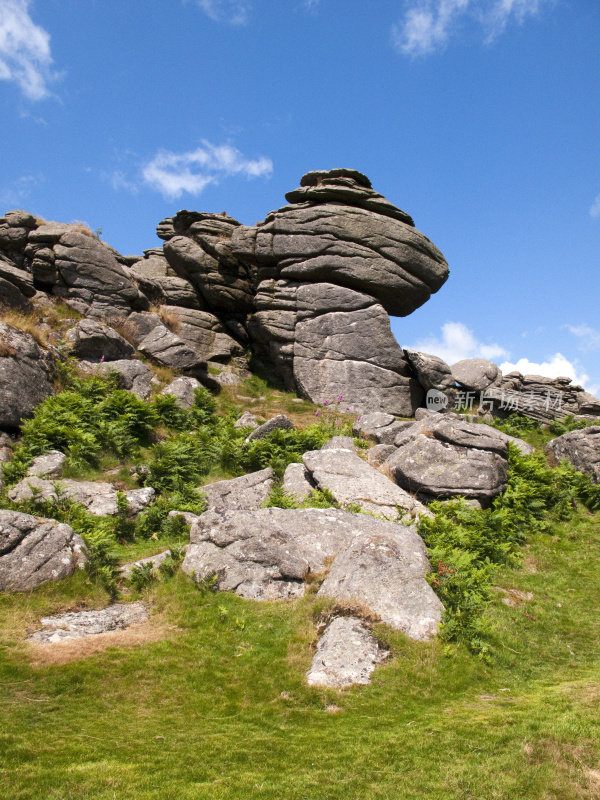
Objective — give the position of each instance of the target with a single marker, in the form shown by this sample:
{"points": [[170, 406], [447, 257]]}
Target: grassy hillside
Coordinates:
{"points": [[208, 699]]}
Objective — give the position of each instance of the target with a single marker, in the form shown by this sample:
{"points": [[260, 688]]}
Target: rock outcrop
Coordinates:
{"points": [[24, 376], [98, 498], [268, 554], [34, 551]]}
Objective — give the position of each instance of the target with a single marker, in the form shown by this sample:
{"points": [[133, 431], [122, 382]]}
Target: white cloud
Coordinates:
{"points": [[595, 209], [428, 24], [458, 342], [235, 12], [172, 174], [555, 367], [13, 195], [25, 56], [589, 337]]}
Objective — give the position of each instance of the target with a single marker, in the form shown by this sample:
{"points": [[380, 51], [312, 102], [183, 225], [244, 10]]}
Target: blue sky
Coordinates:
{"points": [[481, 118]]}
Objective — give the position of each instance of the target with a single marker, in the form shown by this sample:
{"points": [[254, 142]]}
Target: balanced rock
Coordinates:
{"points": [[581, 448], [34, 551], [475, 374]]}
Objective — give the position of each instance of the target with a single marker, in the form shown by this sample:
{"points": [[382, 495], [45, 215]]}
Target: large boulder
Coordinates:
{"points": [[475, 374], [204, 333], [313, 335], [432, 373], [94, 341], [338, 230], [196, 249], [384, 571], [247, 493], [581, 448], [444, 456], [34, 551], [24, 376], [352, 481], [132, 375]]}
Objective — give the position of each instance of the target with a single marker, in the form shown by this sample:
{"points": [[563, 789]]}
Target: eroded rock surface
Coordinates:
{"points": [[24, 376], [347, 653], [98, 498], [581, 448], [81, 624], [34, 551]]}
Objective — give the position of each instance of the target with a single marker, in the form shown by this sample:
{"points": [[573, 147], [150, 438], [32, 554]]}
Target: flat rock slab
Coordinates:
{"points": [[34, 551], [47, 466], [98, 498], [347, 653], [581, 448], [352, 481], [246, 493], [81, 624], [268, 554], [379, 427]]}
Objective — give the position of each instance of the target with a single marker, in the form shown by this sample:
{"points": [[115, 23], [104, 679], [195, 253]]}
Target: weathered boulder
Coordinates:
{"points": [[444, 456], [133, 375], [280, 421], [196, 249], [298, 482], [204, 333], [379, 427], [313, 335], [81, 624], [24, 376], [34, 551], [475, 374], [247, 420], [347, 653], [385, 571], [158, 281], [432, 373], [246, 493], [183, 390], [352, 481], [92, 340], [581, 448], [126, 570], [379, 453], [47, 466], [89, 273], [98, 498]]}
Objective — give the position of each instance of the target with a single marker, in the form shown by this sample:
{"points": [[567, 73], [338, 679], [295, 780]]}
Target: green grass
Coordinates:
{"points": [[218, 707]]}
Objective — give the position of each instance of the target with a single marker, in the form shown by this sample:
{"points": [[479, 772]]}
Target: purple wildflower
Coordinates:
{"points": [[340, 398], [102, 359], [358, 418], [325, 403], [317, 413]]}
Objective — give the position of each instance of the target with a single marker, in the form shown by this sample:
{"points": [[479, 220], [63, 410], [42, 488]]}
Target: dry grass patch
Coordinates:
{"points": [[46, 654]]}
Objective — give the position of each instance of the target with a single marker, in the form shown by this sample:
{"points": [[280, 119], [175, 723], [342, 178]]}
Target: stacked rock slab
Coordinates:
{"points": [[329, 268]]}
